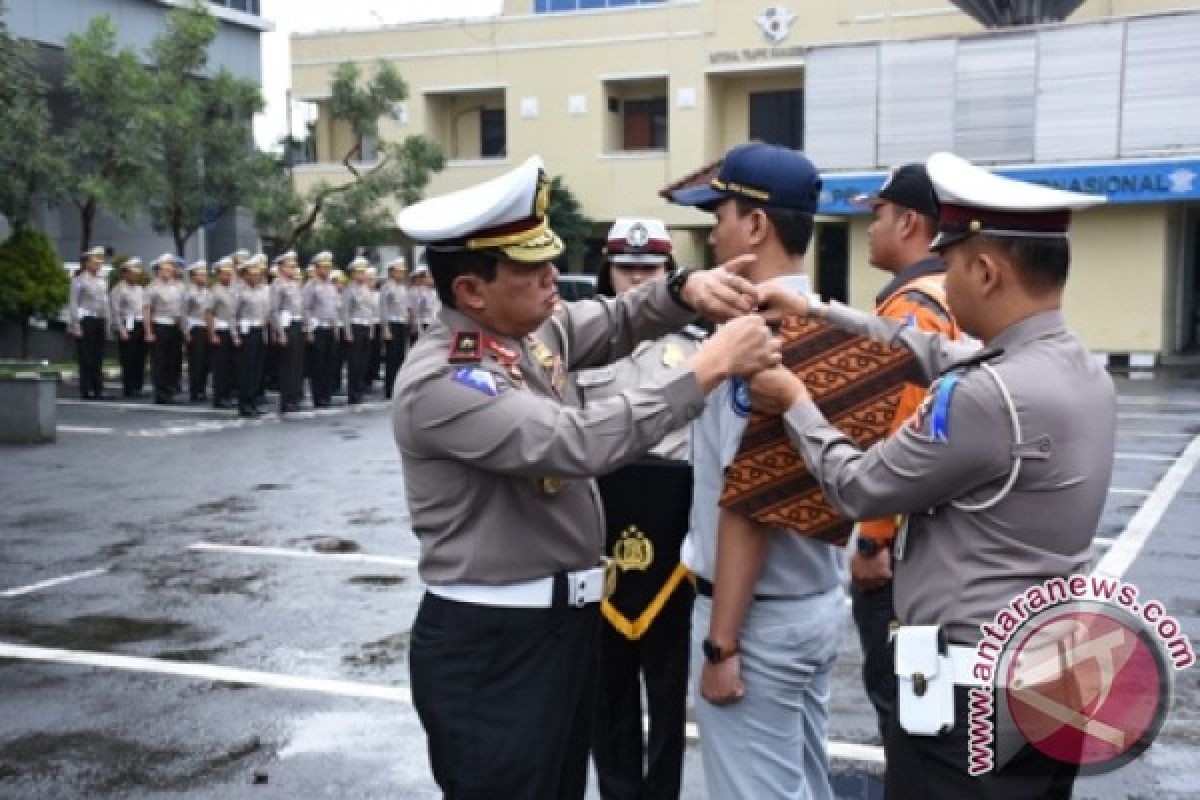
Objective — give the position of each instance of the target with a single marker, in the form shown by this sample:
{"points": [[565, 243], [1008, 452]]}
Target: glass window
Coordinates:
{"points": [[492, 142], [645, 124], [778, 117]]}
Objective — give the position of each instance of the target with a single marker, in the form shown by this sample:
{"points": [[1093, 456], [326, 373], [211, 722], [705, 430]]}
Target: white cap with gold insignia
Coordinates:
{"points": [[972, 200], [638, 241], [506, 214]]}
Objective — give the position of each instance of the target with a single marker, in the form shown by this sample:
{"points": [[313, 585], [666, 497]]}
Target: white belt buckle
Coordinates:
{"points": [[585, 586]]}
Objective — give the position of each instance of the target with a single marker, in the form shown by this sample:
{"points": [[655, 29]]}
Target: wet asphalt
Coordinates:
{"points": [[125, 497]]}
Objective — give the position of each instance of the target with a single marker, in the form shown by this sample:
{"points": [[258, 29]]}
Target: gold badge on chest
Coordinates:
{"points": [[633, 550], [551, 486], [672, 355]]}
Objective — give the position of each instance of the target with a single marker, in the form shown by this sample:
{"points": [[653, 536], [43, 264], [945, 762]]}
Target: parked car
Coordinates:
{"points": [[576, 286]]}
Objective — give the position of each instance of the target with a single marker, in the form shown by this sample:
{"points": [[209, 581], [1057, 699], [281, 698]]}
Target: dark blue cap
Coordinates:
{"points": [[764, 174]]}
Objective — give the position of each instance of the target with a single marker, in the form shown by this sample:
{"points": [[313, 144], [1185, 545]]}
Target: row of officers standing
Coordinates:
{"points": [[248, 327]]}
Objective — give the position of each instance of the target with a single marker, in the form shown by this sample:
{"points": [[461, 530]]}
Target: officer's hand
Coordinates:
{"points": [[739, 347], [311, 337], [123, 336], [187, 338], [776, 301], [775, 390], [283, 339], [871, 572], [387, 335], [214, 339], [149, 338], [722, 293], [721, 684], [237, 342], [77, 333]]}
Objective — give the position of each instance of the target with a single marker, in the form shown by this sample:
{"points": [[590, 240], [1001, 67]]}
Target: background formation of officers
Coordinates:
{"points": [[247, 327]]}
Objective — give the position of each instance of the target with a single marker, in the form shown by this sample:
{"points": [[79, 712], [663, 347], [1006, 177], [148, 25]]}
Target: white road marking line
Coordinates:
{"points": [[254, 550], [85, 429], [1135, 401], [1164, 415], [208, 672], [34, 587], [1144, 457], [1122, 490], [1136, 434], [1131, 540]]}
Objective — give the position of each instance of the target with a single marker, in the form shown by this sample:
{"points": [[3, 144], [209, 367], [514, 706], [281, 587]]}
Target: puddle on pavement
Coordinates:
{"points": [[43, 520], [198, 579], [327, 544], [377, 581], [271, 487], [368, 516], [384, 652], [232, 504], [97, 631]]}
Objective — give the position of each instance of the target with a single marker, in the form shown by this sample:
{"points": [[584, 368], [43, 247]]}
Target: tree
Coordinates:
{"points": [[566, 219], [32, 280], [203, 145], [108, 145], [354, 207], [31, 164]]}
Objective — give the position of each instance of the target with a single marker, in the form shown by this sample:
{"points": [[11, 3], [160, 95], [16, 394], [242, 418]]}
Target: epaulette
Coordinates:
{"points": [[974, 360]]}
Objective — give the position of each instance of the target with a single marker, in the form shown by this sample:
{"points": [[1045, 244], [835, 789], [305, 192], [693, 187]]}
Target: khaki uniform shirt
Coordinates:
{"points": [[223, 306], [498, 466], [393, 303], [959, 567], [88, 298], [287, 303], [125, 306], [253, 306], [196, 301], [165, 301], [322, 305], [360, 306]]}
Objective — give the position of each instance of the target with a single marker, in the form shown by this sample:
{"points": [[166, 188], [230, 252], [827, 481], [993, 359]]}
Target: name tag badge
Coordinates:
{"points": [[129, 323], [244, 326]]}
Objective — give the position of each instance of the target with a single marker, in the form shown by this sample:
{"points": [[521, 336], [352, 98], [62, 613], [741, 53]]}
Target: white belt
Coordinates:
{"points": [[165, 321], [83, 313], [316, 323], [964, 659], [400, 320], [220, 325], [195, 322], [583, 587], [361, 321]]}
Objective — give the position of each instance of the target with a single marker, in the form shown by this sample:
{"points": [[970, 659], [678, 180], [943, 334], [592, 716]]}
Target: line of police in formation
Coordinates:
{"points": [[248, 327]]}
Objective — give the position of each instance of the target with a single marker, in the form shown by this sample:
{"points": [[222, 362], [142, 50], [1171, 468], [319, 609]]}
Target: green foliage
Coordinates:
{"points": [[362, 107], [32, 279], [567, 219], [110, 140], [31, 163]]}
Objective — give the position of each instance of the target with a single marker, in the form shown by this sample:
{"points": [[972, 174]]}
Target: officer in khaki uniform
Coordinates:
{"points": [[252, 310], [498, 467], [125, 319], [647, 630], [287, 331], [162, 312], [360, 312], [221, 320], [196, 300], [87, 319], [322, 317], [395, 320], [1002, 473]]}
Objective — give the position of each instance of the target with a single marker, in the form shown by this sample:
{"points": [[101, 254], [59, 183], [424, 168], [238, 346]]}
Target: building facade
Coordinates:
{"points": [[624, 97], [138, 22]]}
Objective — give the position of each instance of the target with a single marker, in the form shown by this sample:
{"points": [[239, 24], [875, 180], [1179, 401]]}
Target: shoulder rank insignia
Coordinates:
{"points": [[478, 379], [465, 348], [633, 550], [672, 354]]}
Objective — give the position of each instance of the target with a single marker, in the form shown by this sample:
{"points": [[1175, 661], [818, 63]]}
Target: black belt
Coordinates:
{"points": [[705, 587]]}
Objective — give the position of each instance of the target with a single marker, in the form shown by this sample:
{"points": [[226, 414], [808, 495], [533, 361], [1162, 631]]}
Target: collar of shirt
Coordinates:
{"points": [[457, 321], [926, 266], [1035, 326]]}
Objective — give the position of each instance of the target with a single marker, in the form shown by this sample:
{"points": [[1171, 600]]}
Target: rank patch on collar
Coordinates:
{"points": [[478, 379], [465, 348]]}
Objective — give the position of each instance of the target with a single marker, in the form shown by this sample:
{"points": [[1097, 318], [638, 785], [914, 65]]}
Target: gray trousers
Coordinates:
{"points": [[771, 744]]}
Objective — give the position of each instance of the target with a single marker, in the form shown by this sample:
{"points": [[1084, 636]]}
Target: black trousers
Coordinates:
{"points": [[395, 349], [376, 358], [224, 368], [926, 767], [873, 614], [359, 362], [199, 357], [660, 658], [505, 696], [324, 365], [166, 361], [89, 349], [132, 353], [251, 355], [291, 366]]}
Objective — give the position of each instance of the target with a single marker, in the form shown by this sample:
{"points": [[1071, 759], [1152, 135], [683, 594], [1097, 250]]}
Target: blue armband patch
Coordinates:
{"points": [[939, 424], [740, 395], [478, 379]]}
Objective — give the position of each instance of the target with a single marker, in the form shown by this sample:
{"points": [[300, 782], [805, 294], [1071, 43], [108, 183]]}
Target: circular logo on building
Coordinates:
{"points": [[1086, 683], [776, 22]]}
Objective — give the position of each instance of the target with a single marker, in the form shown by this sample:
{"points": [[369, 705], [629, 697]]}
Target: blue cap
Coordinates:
{"points": [[764, 174]]}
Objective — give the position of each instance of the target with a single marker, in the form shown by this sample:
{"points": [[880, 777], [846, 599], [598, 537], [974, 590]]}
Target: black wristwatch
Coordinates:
{"points": [[715, 653], [675, 283]]}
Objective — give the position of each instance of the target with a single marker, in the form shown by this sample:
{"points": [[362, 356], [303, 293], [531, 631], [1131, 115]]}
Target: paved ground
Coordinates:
{"points": [[194, 606]]}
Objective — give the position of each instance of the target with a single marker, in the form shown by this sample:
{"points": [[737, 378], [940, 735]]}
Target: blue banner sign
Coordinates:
{"points": [[1166, 181]]}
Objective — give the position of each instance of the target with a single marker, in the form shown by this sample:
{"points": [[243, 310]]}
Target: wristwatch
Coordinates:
{"points": [[675, 283], [716, 653]]}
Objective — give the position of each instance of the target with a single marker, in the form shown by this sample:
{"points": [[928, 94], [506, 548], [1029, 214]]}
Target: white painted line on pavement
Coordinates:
{"points": [[1122, 490], [1144, 457], [33, 587], [1129, 543], [207, 672], [1153, 434], [85, 429], [1102, 541], [1133, 400], [171, 408], [1163, 415], [254, 550]]}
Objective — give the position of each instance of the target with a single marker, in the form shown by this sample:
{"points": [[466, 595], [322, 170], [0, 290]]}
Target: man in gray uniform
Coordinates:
{"points": [[1002, 474], [287, 324], [498, 469], [253, 308], [162, 311], [196, 300], [221, 319], [322, 314], [125, 318], [360, 312], [87, 319], [395, 320]]}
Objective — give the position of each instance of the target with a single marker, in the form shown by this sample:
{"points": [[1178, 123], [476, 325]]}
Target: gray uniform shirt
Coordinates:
{"points": [[287, 303], [498, 469], [196, 300], [223, 306], [253, 306], [360, 306], [88, 298], [322, 305], [959, 567], [393, 303], [125, 306], [165, 301]]}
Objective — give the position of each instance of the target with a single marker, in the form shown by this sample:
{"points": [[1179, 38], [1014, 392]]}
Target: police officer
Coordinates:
{"points": [[287, 323], [1001, 480], [125, 317], [252, 310], [162, 311], [646, 635], [424, 300], [395, 320], [904, 222], [342, 352], [360, 311], [498, 467], [196, 300], [87, 319], [221, 319], [321, 322]]}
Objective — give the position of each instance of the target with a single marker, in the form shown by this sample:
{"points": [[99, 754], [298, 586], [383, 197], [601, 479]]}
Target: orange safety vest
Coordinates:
{"points": [[898, 305]]}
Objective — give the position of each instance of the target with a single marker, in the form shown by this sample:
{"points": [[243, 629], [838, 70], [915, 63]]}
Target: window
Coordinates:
{"points": [[637, 115], [553, 6], [645, 123], [368, 149], [470, 123], [492, 143], [248, 6], [778, 117]]}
